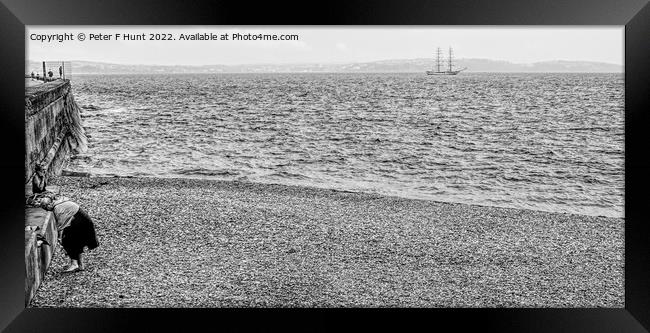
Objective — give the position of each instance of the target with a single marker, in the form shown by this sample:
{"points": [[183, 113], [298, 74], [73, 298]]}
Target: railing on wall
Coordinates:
{"points": [[47, 71]]}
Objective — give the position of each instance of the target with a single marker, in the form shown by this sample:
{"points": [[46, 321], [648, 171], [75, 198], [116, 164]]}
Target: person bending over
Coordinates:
{"points": [[75, 228]]}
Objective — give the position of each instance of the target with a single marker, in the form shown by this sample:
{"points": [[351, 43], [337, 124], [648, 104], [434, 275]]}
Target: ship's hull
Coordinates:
{"points": [[443, 73]]}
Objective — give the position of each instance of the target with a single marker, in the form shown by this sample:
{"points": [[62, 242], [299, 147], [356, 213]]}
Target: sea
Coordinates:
{"points": [[550, 141]]}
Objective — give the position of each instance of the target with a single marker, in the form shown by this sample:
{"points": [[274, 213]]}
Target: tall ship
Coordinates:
{"points": [[450, 65]]}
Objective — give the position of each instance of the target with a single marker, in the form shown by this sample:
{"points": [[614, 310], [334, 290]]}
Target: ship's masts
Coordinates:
{"points": [[450, 59], [438, 60]]}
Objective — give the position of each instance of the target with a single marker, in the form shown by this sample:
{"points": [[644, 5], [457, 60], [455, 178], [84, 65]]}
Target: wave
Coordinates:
{"points": [[288, 175], [206, 172], [605, 129], [90, 107]]}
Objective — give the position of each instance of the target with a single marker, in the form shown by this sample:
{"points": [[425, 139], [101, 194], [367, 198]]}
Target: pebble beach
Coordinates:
{"points": [[176, 242]]}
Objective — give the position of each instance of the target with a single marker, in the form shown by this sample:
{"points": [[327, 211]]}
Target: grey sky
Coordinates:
{"points": [[324, 44]]}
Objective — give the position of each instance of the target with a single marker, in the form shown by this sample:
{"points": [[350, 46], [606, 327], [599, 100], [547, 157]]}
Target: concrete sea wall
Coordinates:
{"points": [[52, 132], [38, 255], [52, 127]]}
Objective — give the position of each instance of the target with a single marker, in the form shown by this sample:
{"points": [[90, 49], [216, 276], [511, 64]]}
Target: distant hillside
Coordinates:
{"points": [[385, 66]]}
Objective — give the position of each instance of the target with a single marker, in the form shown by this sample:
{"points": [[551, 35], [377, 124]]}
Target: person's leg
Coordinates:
{"points": [[75, 257], [72, 249], [79, 234]]}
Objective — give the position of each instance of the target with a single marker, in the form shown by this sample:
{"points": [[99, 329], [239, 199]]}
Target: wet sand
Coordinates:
{"points": [[204, 243]]}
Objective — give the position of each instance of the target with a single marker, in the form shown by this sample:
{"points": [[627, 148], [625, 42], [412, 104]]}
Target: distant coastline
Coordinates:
{"points": [[385, 66]]}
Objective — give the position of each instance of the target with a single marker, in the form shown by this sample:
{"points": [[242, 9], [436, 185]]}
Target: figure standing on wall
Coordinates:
{"points": [[75, 228], [50, 74], [60, 72], [32, 75]]}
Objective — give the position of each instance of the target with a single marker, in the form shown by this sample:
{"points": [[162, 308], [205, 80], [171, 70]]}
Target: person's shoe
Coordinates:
{"points": [[73, 267]]}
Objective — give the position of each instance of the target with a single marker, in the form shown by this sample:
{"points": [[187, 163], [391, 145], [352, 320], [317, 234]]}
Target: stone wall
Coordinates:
{"points": [[49, 117], [38, 256]]}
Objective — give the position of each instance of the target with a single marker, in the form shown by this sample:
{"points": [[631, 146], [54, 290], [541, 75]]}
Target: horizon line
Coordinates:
{"points": [[324, 63]]}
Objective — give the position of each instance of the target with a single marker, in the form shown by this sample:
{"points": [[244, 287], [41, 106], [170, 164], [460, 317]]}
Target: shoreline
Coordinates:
{"points": [[181, 242], [76, 174]]}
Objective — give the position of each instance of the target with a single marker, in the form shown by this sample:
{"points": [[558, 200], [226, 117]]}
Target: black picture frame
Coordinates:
{"points": [[634, 15]]}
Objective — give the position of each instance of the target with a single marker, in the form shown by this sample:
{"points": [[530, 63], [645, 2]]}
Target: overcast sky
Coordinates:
{"points": [[334, 45]]}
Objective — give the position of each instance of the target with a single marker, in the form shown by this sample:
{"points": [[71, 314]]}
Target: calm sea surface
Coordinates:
{"points": [[549, 142]]}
